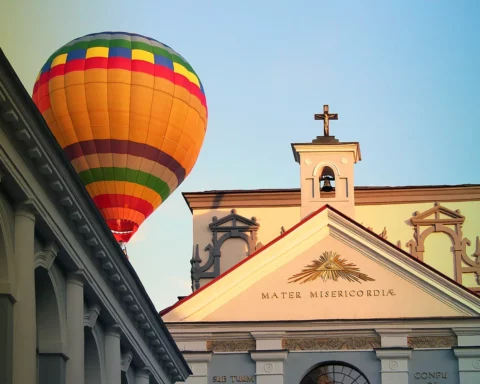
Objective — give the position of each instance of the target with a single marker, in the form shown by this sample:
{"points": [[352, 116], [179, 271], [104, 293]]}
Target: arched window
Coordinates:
{"points": [[327, 182], [334, 373]]}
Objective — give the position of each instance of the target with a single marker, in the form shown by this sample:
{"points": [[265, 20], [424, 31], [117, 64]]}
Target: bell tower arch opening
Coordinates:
{"points": [[327, 183], [334, 373]]}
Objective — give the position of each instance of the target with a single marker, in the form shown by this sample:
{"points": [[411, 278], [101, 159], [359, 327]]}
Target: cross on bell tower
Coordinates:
{"points": [[327, 170], [326, 117]]}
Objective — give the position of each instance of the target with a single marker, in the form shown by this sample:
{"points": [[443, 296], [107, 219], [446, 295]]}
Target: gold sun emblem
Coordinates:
{"points": [[330, 266]]}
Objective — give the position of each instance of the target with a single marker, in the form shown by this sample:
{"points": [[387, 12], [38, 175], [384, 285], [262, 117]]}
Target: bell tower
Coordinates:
{"points": [[327, 170]]}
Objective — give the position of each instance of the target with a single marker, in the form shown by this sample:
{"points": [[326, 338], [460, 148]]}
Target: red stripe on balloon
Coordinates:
{"points": [[121, 63], [123, 201], [96, 63], [58, 70], [74, 65]]}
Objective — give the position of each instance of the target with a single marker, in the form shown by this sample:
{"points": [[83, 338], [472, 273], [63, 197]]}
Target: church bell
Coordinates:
{"points": [[326, 185]]}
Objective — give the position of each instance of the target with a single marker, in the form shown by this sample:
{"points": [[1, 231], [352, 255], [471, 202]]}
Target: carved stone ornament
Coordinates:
{"points": [[231, 345], [329, 266], [382, 234], [441, 219], [46, 257], [432, 342], [126, 360], [232, 226], [91, 315], [333, 344]]}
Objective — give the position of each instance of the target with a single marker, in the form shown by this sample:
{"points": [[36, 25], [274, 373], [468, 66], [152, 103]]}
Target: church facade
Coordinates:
{"points": [[332, 282], [72, 309]]}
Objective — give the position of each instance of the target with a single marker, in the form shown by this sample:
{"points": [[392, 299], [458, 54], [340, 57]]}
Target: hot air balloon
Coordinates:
{"points": [[130, 114]]}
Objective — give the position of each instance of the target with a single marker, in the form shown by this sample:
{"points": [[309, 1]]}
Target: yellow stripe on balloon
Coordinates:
{"points": [[60, 59], [97, 52], [180, 69], [140, 54], [131, 189]]}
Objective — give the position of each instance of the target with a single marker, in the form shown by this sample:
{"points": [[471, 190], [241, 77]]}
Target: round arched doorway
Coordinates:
{"points": [[334, 373]]}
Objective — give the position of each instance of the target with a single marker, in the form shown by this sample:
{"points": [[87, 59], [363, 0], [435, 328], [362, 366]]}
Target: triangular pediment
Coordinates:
{"points": [[233, 221], [327, 267], [437, 214]]}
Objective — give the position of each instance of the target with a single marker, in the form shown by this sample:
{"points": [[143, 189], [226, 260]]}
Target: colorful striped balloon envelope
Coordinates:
{"points": [[130, 114]]}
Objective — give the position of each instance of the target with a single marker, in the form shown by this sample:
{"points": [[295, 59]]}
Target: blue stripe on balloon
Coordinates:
{"points": [[76, 54], [162, 60], [120, 52]]}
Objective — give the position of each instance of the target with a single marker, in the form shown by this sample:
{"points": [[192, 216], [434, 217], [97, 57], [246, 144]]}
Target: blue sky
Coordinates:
{"points": [[402, 75]]}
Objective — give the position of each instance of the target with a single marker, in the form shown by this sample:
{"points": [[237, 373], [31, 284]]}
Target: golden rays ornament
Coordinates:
{"points": [[330, 266]]}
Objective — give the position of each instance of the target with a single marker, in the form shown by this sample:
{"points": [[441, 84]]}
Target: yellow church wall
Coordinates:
{"points": [[270, 220], [438, 253], [438, 246], [394, 218]]}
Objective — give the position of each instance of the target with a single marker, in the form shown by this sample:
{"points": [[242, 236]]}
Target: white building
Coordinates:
{"points": [[72, 309]]}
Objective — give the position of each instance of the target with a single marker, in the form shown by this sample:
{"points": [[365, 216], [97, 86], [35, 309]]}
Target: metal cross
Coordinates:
{"points": [[326, 117]]}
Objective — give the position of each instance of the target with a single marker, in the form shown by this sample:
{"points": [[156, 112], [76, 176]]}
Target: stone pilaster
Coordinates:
{"points": [[142, 376], [468, 355], [75, 329], [394, 364], [394, 355], [268, 340], [113, 360], [198, 363], [24, 325], [269, 366]]}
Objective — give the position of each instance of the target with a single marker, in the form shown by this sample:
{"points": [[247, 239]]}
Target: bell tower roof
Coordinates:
{"points": [[327, 146]]}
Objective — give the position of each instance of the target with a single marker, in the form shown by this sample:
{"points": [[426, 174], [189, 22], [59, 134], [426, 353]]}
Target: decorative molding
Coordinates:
{"points": [[332, 344], [232, 226], [126, 360], [477, 250], [113, 330], [231, 345], [269, 356], [41, 155], [197, 357], [329, 266], [382, 234], [46, 258], [363, 196], [432, 342], [393, 353], [143, 373], [440, 219], [77, 277], [27, 208], [91, 316], [468, 353]]}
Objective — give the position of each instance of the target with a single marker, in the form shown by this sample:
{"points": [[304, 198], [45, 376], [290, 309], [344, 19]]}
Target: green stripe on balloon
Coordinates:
{"points": [[122, 43], [125, 174]]}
